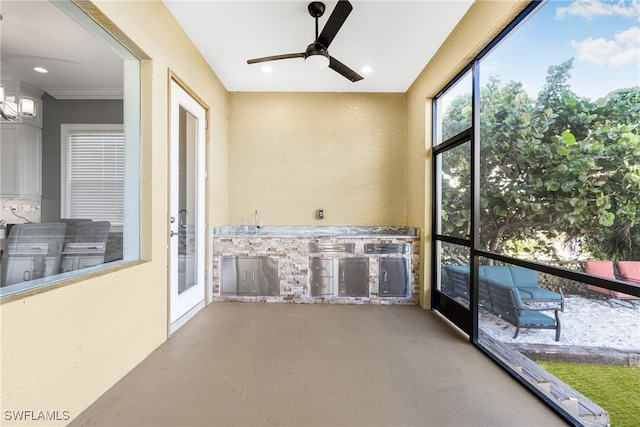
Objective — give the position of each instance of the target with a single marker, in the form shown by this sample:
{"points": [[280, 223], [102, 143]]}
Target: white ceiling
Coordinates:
{"points": [[37, 33], [395, 38]]}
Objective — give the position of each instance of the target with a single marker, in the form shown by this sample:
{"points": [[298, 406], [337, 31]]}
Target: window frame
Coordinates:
{"points": [[95, 23], [439, 147]]}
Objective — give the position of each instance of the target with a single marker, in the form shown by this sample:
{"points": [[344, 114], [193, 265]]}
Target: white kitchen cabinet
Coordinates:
{"points": [[21, 159], [9, 158]]}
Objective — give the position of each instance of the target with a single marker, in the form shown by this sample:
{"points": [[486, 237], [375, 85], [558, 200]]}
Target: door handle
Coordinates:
{"points": [[171, 232], [384, 276]]}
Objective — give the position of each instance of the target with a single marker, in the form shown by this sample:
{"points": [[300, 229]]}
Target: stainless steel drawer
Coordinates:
{"points": [[321, 266], [321, 285]]}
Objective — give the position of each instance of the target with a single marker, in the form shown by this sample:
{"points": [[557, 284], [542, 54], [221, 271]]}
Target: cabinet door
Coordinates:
{"points": [[353, 277], [394, 277], [31, 161], [9, 158], [249, 276], [229, 275], [266, 274], [20, 160]]}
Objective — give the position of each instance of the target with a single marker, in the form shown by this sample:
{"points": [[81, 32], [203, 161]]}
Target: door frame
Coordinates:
{"points": [[175, 83]]}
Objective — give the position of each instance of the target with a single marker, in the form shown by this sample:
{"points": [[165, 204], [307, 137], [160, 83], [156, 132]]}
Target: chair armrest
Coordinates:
{"points": [[528, 308]]}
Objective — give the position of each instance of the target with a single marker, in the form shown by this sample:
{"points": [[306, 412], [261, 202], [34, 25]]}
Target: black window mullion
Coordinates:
{"points": [[475, 198]]}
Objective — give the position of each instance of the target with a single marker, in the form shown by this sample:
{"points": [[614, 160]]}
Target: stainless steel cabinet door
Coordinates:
{"points": [[249, 276], [266, 276], [353, 277], [248, 283], [394, 277]]}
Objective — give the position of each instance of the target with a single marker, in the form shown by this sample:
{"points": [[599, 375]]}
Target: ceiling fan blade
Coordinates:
{"points": [[275, 58], [338, 66], [335, 21]]}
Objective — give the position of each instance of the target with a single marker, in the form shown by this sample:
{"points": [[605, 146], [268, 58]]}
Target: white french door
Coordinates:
{"points": [[187, 206]]}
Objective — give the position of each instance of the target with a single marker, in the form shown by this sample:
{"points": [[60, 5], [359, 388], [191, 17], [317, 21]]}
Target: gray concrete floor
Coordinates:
{"points": [[252, 364]]}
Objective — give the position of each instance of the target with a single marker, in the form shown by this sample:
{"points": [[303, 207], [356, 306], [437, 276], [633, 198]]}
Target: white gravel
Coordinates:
{"points": [[584, 322]]}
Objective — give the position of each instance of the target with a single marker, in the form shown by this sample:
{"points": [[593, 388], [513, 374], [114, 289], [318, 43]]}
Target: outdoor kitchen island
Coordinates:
{"points": [[307, 264]]}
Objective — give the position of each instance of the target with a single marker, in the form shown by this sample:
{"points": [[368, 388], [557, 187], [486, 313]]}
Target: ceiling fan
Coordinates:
{"points": [[317, 52]]}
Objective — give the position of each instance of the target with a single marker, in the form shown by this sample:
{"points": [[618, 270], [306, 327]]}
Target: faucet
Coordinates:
{"points": [[256, 224]]}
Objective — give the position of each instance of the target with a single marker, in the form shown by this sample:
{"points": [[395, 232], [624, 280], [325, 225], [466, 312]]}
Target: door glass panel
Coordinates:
{"points": [[455, 192], [187, 201]]}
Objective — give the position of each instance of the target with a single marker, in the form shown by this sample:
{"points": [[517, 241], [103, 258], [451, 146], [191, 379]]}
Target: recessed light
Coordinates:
{"points": [[366, 69], [266, 68], [41, 70]]}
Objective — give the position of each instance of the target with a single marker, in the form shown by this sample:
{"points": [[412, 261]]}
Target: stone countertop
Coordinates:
{"points": [[308, 231]]}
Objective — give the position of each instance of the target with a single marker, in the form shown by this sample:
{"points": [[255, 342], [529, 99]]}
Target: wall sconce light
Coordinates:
{"points": [[11, 109]]}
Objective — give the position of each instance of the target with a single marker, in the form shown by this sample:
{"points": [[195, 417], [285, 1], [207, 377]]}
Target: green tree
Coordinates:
{"points": [[558, 166]]}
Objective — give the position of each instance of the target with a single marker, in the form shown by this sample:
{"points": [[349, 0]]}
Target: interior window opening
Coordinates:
{"points": [[71, 216]]}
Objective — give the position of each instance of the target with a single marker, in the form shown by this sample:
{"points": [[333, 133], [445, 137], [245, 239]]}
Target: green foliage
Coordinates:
{"points": [[456, 201], [614, 388], [556, 167]]}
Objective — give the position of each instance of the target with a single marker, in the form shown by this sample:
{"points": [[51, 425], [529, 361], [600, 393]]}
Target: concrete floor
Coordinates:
{"points": [[251, 364]]}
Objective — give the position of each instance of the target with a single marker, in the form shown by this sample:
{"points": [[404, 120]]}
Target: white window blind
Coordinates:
{"points": [[94, 173]]}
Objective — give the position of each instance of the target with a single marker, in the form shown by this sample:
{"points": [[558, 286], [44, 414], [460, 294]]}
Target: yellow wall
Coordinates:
{"points": [[61, 349], [293, 153], [484, 20]]}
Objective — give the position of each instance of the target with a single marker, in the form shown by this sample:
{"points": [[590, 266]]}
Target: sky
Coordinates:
{"points": [[602, 37]]}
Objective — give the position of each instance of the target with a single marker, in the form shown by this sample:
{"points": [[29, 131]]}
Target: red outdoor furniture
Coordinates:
{"points": [[628, 271]]}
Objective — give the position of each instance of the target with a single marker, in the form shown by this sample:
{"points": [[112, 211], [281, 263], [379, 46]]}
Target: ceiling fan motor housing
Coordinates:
{"points": [[315, 49], [317, 56]]}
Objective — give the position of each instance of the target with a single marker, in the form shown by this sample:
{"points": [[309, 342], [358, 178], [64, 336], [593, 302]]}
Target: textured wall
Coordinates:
{"points": [[292, 153]]}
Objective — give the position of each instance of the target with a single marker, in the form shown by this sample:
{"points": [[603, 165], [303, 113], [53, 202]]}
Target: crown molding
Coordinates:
{"points": [[92, 93]]}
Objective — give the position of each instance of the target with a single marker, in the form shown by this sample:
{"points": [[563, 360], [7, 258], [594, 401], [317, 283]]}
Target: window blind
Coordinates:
{"points": [[95, 175]]}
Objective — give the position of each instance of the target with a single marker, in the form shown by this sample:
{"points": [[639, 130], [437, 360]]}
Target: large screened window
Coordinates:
{"points": [[73, 198], [549, 269]]}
